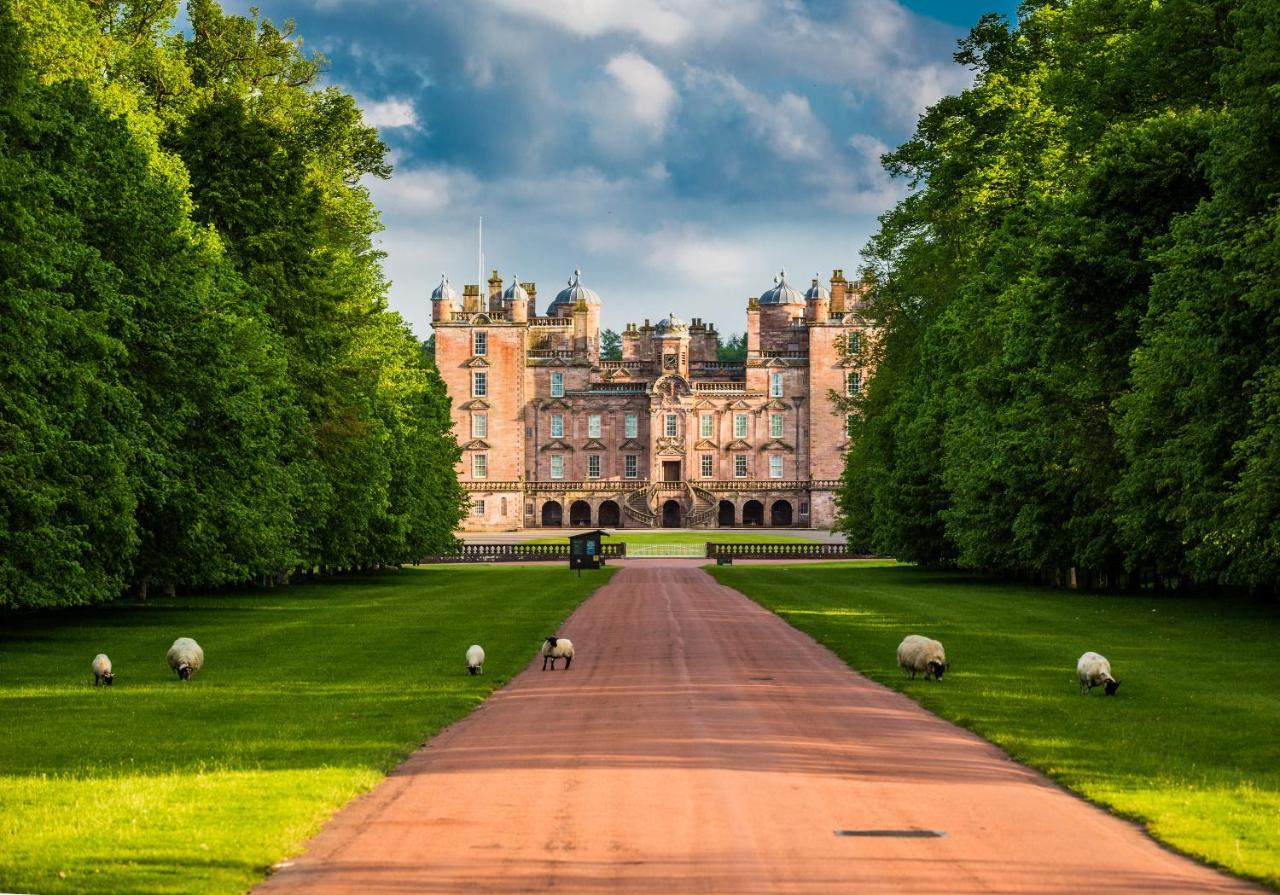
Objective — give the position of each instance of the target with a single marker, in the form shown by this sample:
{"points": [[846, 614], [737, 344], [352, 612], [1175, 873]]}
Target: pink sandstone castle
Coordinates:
{"points": [[667, 436]]}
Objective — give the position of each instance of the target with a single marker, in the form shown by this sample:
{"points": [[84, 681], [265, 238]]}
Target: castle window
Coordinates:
{"points": [[593, 426], [477, 508], [775, 385], [479, 384], [557, 385], [804, 508], [706, 422], [849, 422], [706, 466], [557, 425], [504, 506], [775, 425], [528, 509], [557, 466], [739, 425], [479, 342], [672, 425], [479, 466], [740, 466], [593, 466], [479, 425], [630, 426], [852, 384], [629, 466], [854, 343], [775, 466]]}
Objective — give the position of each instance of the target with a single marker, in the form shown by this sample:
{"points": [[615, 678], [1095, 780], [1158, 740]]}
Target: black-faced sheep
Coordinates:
{"points": [[920, 654], [475, 659], [185, 657], [556, 648], [1093, 670], [102, 673]]}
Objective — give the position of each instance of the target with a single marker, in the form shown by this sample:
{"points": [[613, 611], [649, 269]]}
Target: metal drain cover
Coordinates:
{"points": [[894, 834]]}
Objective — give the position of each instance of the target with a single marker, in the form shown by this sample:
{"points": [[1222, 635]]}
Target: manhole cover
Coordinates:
{"points": [[894, 834]]}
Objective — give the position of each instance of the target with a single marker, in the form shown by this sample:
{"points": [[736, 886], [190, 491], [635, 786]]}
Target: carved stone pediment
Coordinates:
{"points": [[557, 404], [738, 445], [670, 447], [776, 404], [478, 362], [475, 404], [631, 444], [594, 445], [476, 444], [705, 444], [740, 405], [556, 445], [777, 444]]}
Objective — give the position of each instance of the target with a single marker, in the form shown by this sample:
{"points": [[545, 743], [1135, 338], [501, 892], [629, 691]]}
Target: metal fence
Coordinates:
{"points": [[780, 550], [520, 553]]}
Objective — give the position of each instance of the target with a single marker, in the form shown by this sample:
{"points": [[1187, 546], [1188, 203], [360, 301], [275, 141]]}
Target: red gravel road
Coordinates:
{"points": [[700, 744]]}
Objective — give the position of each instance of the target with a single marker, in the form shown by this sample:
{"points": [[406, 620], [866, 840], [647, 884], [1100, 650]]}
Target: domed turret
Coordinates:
{"points": [[818, 301], [572, 294], [444, 301], [515, 292], [782, 293], [670, 325], [816, 291]]}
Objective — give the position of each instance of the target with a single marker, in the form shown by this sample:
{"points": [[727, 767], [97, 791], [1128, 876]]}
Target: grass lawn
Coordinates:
{"points": [[690, 537], [1189, 745], [308, 696]]}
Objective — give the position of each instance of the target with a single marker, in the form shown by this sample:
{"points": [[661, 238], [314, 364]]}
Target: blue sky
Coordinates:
{"points": [[680, 153]]}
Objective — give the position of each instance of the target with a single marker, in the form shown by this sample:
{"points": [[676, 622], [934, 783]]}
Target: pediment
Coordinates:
{"points": [[556, 445], [478, 362], [475, 404], [557, 404], [631, 444], [480, 320], [705, 444], [774, 362], [776, 404], [671, 451], [777, 444], [476, 444], [594, 445], [738, 445], [740, 405]]}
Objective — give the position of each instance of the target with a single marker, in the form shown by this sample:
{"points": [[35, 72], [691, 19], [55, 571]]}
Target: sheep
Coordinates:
{"points": [[554, 648], [475, 659], [185, 657], [920, 654], [1092, 670], [102, 673]]}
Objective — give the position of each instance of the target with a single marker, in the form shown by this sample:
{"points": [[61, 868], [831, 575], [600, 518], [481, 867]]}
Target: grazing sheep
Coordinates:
{"points": [[1092, 670], [185, 657], [920, 654], [475, 659], [102, 673], [555, 648]]}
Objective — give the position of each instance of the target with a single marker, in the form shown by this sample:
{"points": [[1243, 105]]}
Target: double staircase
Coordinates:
{"points": [[639, 505], [698, 505], [701, 505]]}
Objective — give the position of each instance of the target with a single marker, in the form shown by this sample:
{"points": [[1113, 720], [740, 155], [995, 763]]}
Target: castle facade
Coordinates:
{"points": [[668, 436]]}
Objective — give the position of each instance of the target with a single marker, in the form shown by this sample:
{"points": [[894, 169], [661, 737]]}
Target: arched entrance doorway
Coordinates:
{"points": [[727, 515], [580, 514], [671, 514], [610, 515], [781, 513], [753, 513], [552, 513]]}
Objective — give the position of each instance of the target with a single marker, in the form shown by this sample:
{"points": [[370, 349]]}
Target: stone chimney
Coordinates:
{"points": [[495, 293], [839, 292], [753, 327], [471, 301]]}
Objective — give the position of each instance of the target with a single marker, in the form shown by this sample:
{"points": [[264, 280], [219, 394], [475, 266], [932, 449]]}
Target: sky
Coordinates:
{"points": [[679, 152]]}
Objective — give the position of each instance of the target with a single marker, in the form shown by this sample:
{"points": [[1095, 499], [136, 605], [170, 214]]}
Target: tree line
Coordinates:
{"points": [[1079, 374], [202, 384]]}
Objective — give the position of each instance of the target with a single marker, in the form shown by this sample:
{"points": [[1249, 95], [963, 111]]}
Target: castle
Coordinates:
{"points": [[667, 436]]}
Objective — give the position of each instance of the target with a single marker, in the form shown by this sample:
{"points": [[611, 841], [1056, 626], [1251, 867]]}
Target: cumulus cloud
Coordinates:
{"points": [[390, 113], [631, 109], [663, 22]]}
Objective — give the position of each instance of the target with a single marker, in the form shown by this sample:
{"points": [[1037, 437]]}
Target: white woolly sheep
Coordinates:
{"points": [[1094, 670], [557, 648], [920, 654], [475, 659], [185, 657], [102, 673]]}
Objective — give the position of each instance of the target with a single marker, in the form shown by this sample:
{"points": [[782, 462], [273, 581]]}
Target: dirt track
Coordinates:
{"points": [[700, 744]]}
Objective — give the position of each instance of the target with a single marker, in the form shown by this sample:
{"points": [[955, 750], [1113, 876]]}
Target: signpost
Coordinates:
{"points": [[585, 551]]}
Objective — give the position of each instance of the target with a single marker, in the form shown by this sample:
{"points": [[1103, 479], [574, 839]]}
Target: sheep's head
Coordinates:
{"points": [[551, 641], [108, 677], [936, 668], [184, 671], [1112, 686]]}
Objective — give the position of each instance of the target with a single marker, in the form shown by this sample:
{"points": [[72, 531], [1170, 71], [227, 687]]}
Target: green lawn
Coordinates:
{"points": [[1189, 745], [690, 537], [308, 696]]}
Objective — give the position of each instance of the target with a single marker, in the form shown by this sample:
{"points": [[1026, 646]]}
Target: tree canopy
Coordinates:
{"points": [[1080, 367], [204, 384]]}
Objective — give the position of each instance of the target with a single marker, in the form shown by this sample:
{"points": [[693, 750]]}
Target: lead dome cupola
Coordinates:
{"points": [[515, 292], [782, 292], [444, 292], [574, 293], [816, 291]]}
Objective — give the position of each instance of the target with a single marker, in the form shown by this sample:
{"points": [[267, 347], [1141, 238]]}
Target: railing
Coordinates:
{"points": [[566, 322], [723, 387], [590, 485], [519, 553], [625, 365], [792, 355], [485, 485], [720, 365], [767, 484], [550, 352], [781, 550], [615, 387], [640, 485]]}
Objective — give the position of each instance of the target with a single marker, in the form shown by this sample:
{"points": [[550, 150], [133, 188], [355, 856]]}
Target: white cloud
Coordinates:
{"points": [[390, 113], [661, 22], [787, 126], [631, 110]]}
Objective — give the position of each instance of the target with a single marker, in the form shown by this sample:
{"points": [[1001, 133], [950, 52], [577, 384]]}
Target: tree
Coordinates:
{"points": [[610, 345], [732, 349]]}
